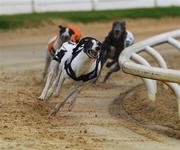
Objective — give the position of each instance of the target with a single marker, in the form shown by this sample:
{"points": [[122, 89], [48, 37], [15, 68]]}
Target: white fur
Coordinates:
{"points": [[54, 65], [81, 65], [129, 39], [57, 44], [66, 33]]}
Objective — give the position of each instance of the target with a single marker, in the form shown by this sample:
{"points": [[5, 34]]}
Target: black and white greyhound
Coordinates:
{"points": [[64, 35], [115, 42], [79, 62]]}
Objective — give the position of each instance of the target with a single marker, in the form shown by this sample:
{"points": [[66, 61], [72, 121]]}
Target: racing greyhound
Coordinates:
{"points": [[69, 33], [115, 42], [78, 62]]}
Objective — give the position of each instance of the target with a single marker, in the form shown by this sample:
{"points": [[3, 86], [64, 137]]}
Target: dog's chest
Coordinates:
{"points": [[83, 69]]}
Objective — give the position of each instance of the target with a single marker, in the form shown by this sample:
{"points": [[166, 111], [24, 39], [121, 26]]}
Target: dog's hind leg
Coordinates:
{"points": [[72, 90], [114, 68], [53, 67]]}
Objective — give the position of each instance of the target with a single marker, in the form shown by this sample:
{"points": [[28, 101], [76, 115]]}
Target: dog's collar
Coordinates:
{"points": [[91, 75]]}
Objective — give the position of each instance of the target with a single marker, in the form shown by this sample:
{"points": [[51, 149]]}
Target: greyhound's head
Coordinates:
{"points": [[92, 47], [65, 33], [118, 28]]}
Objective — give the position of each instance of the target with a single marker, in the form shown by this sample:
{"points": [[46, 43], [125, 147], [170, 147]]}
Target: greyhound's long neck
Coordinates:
{"points": [[82, 64], [58, 43]]}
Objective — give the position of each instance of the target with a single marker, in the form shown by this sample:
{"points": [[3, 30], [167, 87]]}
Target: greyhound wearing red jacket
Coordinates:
{"points": [[69, 33]]}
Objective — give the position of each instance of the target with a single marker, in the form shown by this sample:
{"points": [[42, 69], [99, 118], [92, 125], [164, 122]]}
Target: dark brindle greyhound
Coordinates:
{"points": [[114, 43]]}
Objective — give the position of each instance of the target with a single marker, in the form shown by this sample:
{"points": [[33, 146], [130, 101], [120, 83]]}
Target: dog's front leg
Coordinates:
{"points": [[47, 62], [59, 85], [114, 68], [72, 90], [53, 67], [55, 83]]}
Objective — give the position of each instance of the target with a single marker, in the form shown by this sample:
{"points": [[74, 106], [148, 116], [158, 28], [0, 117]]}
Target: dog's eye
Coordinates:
{"points": [[88, 45]]}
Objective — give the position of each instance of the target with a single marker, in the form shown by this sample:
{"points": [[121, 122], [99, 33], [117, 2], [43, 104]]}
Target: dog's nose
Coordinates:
{"points": [[117, 31]]}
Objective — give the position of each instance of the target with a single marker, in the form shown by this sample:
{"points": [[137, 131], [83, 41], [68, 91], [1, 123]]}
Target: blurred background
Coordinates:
{"points": [[29, 6]]}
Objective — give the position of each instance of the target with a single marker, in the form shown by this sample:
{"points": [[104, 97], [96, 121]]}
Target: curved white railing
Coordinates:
{"points": [[144, 70]]}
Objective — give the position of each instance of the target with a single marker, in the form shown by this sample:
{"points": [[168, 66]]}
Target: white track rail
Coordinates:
{"points": [[144, 70]]}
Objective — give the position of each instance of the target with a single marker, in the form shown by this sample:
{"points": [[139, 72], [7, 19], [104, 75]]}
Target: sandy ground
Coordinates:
{"points": [[114, 115]]}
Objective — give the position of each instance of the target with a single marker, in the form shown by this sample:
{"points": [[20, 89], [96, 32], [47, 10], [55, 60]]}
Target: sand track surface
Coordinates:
{"points": [[110, 116]]}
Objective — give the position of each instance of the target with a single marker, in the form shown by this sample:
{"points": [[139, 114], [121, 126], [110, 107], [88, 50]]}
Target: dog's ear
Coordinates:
{"points": [[60, 26], [124, 24], [114, 23], [99, 45]]}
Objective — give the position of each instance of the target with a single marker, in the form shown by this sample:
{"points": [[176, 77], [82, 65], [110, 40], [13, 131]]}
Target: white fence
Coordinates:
{"points": [[144, 70], [29, 6]]}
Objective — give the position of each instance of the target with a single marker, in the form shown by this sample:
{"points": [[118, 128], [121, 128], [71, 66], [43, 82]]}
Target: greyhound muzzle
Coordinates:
{"points": [[65, 38], [92, 53], [117, 33]]}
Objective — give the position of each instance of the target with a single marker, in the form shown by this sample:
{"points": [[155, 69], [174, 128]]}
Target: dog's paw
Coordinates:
{"points": [[55, 110], [70, 107], [56, 94], [42, 98], [49, 94], [52, 113]]}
